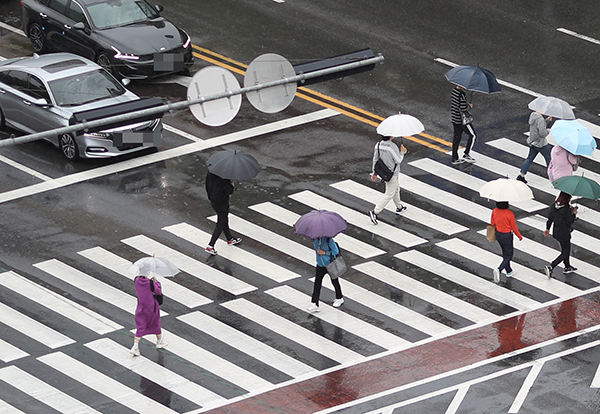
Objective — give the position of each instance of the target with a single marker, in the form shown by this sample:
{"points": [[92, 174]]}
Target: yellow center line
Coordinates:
{"points": [[234, 66]]}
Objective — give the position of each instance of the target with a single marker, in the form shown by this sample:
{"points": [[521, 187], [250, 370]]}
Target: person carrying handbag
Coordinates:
{"points": [[326, 248], [505, 223], [147, 312], [462, 122]]}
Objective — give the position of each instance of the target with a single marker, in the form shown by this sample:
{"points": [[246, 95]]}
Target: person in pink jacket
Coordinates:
{"points": [[562, 163]]}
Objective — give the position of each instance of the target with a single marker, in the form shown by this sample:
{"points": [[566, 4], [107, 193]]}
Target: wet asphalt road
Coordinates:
{"points": [[520, 44]]}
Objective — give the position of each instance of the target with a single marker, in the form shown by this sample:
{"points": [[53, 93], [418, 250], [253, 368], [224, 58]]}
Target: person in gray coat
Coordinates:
{"points": [[538, 144], [392, 156]]}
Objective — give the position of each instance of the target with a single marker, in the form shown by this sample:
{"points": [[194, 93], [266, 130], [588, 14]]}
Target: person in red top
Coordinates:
{"points": [[506, 225]]}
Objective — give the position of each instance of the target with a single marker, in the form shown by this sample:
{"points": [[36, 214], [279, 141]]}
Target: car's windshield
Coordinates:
{"points": [[85, 88], [114, 13]]}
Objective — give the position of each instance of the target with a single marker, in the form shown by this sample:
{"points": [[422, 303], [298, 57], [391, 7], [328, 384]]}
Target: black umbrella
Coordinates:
{"points": [[233, 165], [474, 78]]}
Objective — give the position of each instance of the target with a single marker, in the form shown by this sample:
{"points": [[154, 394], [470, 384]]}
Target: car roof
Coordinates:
{"points": [[52, 66]]}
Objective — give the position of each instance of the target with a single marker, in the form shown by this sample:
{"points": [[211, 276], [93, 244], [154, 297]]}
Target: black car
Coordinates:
{"points": [[129, 38]]}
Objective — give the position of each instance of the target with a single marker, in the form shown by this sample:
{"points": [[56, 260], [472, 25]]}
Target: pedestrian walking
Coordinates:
{"points": [[562, 216], [506, 225], [391, 156], [218, 190], [562, 163], [147, 312], [326, 249], [538, 144], [462, 121]]}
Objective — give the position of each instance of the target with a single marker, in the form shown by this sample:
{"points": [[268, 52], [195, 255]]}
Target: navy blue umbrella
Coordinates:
{"points": [[233, 165], [474, 78]]}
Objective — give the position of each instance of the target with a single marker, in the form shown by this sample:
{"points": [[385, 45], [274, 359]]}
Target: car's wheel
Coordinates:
{"points": [[68, 146], [104, 61], [36, 36]]}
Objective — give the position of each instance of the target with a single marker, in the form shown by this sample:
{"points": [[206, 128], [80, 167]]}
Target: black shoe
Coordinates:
{"points": [[399, 210], [569, 269], [373, 216], [521, 178]]}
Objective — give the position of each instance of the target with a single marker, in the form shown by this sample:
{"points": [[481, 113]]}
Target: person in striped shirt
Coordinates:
{"points": [[462, 123]]}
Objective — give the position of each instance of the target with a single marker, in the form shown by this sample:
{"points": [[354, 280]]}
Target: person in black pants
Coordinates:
{"points": [[462, 123], [218, 190], [563, 216], [326, 248]]}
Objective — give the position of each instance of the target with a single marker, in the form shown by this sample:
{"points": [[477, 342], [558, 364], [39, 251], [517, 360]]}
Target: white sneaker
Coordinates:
{"points": [[511, 274], [161, 343], [496, 276], [338, 302], [468, 158], [313, 308], [135, 351]]}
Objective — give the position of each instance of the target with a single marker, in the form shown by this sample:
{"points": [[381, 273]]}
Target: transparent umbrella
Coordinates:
{"points": [[551, 106], [153, 266]]}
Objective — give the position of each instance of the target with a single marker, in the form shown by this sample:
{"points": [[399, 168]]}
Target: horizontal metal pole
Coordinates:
{"points": [[159, 110]]}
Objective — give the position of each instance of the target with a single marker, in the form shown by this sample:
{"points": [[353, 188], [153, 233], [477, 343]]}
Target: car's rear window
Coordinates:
{"points": [[64, 65], [85, 88]]}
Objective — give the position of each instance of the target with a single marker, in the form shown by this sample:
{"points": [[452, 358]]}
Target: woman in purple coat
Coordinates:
{"points": [[147, 313]]}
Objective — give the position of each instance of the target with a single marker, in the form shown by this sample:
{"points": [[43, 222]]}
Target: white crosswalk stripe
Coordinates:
{"points": [[154, 372], [248, 260], [6, 408], [58, 303], [361, 220], [43, 392], [10, 352], [117, 264], [189, 265]]}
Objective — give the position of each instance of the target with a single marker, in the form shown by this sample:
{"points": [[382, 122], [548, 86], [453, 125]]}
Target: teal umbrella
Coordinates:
{"points": [[578, 186]]}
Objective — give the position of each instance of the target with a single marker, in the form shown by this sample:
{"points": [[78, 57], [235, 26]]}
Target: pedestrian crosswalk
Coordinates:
{"points": [[237, 324]]}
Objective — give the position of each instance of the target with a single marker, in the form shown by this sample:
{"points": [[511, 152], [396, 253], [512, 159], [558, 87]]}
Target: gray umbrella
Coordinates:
{"points": [[233, 165]]}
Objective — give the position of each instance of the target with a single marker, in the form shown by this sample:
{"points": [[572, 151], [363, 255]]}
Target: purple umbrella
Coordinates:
{"points": [[320, 223]]}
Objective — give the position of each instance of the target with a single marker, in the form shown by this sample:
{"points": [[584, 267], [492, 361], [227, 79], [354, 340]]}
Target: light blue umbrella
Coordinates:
{"points": [[573, 136]]}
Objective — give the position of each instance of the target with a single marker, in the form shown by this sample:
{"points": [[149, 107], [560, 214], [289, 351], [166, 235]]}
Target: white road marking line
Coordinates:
{"points": [[181, 133], [246, 344], [250, 261], [172, 290], [527, 384], [457, 400], [189, 265], [579, 36], [91, 285], [578, 238], [10, 352], [12, 29], [32, 328], [463, 179], [525, 274], [466, 279], [596, 381], [293, 331], [446, 198], [24, 169], [346, 242], [156, 373], [501, 82], [412, 212], [103, 384], [43, 392], [394, 310], [163, 155], [341, 319], [214, 364], [426, 292], [267, 237], [5, 408], [360, 220], [59, 304]]}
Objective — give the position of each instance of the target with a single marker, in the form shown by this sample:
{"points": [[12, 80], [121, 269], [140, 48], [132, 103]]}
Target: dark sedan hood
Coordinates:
{"points": [[152, 36]]}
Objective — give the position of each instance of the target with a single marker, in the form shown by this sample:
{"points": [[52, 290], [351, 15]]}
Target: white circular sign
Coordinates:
{"points": [[213, 80], [268, 68]]}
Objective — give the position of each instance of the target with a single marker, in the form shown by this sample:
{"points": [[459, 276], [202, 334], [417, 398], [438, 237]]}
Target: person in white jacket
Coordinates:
{"points": [[538, 144], [392, 156]]}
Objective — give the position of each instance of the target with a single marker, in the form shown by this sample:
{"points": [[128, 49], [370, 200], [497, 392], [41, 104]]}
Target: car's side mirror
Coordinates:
{"points": [[125, 81], [40, 102], [79, 26], [159, 8]]}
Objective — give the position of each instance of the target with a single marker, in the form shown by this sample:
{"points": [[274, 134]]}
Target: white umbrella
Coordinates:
{"points": [[153, 266], [551, 106], [400, 125], [505, 189]]}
